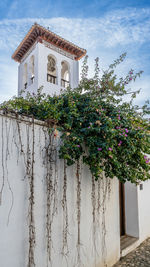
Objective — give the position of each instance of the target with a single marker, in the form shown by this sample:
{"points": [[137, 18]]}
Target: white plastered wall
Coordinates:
{"points": [[131, 210], [137, 210], [14, 236], [31, 87], [144, 210]]}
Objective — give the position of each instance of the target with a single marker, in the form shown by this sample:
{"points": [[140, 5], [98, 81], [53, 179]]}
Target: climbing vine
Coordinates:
{"points": [[51, 188], [3, 169], [7, 154], [111, 134], [30, 175], [78, 176], [65, 249], [95, 126]]}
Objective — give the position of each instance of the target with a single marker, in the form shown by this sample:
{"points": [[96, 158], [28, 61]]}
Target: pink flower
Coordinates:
{"points": [[130, 78], [111, 156], [145, 157], [110, 149], [147, 161], [126, 135], [78, 145], [119, 117], [126, 130], [99, 149], [120, 143]]}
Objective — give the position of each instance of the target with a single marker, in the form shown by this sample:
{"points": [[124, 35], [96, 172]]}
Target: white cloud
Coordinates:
{"points": [[107, 37], [119, 27]]}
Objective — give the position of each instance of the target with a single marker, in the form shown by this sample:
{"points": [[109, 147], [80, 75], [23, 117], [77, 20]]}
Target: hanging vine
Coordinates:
{"points": [[94, 219], [105, 192], [30, 174], [19, 136], [51, 178], [6, 165], [65, 249], [3, 168], [78, 203], [49, 195], [112, 136], [55, 206], [98, 199]]}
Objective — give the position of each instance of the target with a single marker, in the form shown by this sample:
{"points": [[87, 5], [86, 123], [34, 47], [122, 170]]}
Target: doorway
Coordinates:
{"points": [[129, 225], [122, 208]]}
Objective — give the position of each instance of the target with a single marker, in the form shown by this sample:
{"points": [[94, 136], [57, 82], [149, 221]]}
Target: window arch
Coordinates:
{"points": [[51, 69], [25, 76], [65, 76], [32, 69]]}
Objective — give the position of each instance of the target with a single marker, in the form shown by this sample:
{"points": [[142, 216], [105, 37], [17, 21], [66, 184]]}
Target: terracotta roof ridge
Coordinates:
{"points": [[84, 50], [36, 31]]}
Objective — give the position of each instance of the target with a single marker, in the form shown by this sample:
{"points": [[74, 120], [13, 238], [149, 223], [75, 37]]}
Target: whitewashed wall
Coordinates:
{"points": [[137, 210], [144, 210], [131, 210], [15, 201]]}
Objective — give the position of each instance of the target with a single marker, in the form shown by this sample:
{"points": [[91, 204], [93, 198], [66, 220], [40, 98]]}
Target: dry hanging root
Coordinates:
{"points": [[106, 192], [3, 169], [55, 186], [49, 194], [30, 175], [6, 167], [78, 212], [50, 160], [94, 214], [65, 249], [98, 199]]}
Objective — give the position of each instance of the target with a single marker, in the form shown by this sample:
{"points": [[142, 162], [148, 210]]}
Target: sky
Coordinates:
{"points": [[106, 29]]}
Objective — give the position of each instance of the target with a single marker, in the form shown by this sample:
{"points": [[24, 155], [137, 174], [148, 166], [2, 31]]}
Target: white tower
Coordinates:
{"points": [[47, 60]]}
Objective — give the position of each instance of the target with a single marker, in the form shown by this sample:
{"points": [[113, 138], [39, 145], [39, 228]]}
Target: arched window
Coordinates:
{"points": [[25, 76], [51, 70], [32, 69], [65, 74]]}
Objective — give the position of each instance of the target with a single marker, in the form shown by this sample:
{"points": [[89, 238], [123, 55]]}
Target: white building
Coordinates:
{"points": [[47, 60], [100, 221]]}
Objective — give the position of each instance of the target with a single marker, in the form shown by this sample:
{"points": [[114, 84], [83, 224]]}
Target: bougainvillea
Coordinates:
{"points": [[111, 134]]}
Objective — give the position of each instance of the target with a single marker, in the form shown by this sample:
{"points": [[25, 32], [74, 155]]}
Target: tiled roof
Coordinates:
{"points": [[39, 33]]}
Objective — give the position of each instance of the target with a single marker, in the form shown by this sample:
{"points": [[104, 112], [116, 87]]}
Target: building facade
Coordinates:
{"points": [[48, 61], [77, 221]]}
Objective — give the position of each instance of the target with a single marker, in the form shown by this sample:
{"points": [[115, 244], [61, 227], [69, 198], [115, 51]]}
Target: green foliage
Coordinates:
{"points": [[110, 134]]}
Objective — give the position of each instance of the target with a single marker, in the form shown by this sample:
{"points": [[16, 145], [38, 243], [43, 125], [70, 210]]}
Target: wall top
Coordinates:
{"points": [[39, 33]]}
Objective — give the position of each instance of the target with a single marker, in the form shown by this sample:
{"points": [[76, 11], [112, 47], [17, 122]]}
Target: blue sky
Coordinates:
{"points": [[105, 28]]}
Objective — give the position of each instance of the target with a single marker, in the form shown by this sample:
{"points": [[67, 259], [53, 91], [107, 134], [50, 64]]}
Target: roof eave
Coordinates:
{"points": [[15, 54]]}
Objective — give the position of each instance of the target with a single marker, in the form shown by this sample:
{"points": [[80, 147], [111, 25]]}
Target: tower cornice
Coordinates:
{"points": [[38, 33]]}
